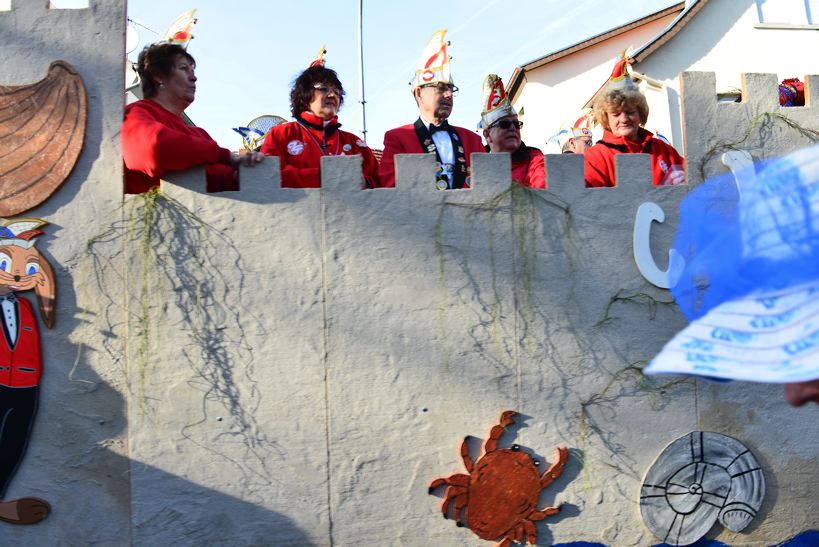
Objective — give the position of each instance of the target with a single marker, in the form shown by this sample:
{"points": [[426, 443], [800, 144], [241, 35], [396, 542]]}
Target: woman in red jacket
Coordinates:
{"points": [[315, 99], [622, 110], [155, 138]]}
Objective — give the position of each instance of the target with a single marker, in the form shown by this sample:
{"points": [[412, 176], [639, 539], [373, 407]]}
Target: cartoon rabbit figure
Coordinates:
{"points": [[22, 268]]}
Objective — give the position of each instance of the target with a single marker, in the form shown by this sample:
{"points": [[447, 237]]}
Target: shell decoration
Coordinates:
{"points": [[698, 479], [42, 132]]}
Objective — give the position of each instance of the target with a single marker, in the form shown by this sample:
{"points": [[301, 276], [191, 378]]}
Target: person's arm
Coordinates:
{"points": [[676, 169], [153, 148], [369, 168], [797, 394], [386, 168], [292, 177]]}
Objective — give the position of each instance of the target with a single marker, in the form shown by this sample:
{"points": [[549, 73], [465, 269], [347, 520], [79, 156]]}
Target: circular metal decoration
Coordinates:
{"points": [[42, 132], [698, 479]]}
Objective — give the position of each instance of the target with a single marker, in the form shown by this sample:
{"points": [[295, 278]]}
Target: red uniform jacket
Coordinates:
{"points": [[403, 140], [155, 141], [20, 364], [599, 159], [528, 167], [300, 147]]}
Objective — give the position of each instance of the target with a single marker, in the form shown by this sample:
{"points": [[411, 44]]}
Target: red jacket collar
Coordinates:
{"points": [[312, 119], [643, 136]]}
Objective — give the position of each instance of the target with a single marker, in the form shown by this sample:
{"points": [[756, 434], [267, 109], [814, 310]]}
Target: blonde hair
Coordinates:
{"points": [[620, 100]]}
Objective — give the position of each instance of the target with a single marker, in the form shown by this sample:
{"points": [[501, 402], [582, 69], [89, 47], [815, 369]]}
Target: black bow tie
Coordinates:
{"points": [[10, 297], [443, 127]]}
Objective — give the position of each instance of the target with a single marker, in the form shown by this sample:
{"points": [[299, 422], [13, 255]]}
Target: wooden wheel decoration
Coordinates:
{"points": [[498, 497], [42, 132]]}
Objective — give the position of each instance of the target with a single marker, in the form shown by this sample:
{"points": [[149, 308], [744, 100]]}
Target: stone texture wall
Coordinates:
{"points": [[293, 367], [355, 337], [78, 455]]}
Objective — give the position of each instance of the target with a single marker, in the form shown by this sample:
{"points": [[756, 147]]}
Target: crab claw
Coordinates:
{"points": [[507, 416], [435, 484]]}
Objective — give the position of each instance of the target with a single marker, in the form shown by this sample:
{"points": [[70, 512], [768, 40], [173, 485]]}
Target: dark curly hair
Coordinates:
{"points": [[302, 92], [156, 61]]}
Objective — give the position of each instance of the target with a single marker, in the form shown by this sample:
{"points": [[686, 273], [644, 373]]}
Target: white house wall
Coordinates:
{"points": [[556, 90], [722, 38]]}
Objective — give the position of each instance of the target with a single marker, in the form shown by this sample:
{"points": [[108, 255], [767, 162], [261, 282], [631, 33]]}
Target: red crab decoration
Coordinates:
{"points": [[501, 491]]}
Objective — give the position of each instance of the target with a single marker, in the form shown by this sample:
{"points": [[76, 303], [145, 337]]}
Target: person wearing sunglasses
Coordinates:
{"points": [[315, 99], [434, 91], [622, 110], [579, 141], [501, 130]]}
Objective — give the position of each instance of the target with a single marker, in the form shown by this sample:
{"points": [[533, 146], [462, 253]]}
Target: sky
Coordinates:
{"points": [[248, 53]]}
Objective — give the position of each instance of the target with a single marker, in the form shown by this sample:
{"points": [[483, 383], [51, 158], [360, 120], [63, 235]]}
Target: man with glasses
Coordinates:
{"points": [[580, 139], [501, 129], [434, 91]]}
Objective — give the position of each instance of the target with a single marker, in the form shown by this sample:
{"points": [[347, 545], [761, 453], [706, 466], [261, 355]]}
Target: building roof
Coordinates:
{"points": [[670, 31], [658, 41], [519, 75]]}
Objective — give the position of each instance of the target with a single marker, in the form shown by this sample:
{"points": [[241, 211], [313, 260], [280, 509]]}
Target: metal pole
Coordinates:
{"points": [[361, 68]]}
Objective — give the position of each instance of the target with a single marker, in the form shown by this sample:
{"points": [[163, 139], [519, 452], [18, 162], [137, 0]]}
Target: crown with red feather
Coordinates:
{"points": [[434, 64], [620, 78], [319, 60], [496, 104]]}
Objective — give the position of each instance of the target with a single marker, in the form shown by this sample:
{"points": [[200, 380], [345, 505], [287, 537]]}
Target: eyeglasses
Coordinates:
{"points": [[442, 88], [327, 90], [506, 124]]}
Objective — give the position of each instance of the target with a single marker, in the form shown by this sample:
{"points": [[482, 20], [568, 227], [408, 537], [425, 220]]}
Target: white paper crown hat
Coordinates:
{"points": [[496, 104], [433, 66], [576, 126]]}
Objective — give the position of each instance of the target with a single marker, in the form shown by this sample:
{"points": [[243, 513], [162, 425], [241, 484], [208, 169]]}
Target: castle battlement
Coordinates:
{"points": [[757, 124]]}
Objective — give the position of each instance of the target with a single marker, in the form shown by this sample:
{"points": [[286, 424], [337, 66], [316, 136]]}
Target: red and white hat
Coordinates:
{"points": [[181, 30], [433, 66], [620, 78], [496, 104], [578, 125], [319, 60]]}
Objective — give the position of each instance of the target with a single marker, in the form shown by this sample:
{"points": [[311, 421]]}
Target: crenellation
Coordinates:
{"points": [[757, 124], [811, 91], [43, 7], [564, 174], [761, 90], [491, 174]]}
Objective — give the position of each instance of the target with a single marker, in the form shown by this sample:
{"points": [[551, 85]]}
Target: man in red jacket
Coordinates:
{"points": [[434, 91], [501, 129]]}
